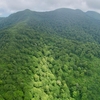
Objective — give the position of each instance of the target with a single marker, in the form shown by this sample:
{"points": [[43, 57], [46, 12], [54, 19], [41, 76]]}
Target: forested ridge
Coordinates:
{"points": [[51, 55]]}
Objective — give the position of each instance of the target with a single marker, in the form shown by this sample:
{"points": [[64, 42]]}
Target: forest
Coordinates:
{"points": [[50, 56]]}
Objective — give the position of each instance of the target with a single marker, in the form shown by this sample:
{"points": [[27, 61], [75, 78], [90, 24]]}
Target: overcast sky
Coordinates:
{"points": [[9, 6]]}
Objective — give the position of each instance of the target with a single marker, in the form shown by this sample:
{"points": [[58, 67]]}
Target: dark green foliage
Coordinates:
{"points": [[49, 56]]}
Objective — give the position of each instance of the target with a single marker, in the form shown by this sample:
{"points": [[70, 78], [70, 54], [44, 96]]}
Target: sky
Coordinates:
{"points": [[10, 6]]}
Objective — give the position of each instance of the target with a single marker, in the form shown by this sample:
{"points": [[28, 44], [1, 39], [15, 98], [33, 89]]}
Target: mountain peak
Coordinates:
{"points": [[64, 9], [27, 10]]}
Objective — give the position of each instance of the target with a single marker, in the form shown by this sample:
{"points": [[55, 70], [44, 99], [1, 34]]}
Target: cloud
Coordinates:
{"points": [[41, 4], [94, 4], [10, 6]]}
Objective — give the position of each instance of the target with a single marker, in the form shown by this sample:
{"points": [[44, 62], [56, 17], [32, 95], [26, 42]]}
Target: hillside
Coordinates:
{"points": [[51, 55], [93, 14]]}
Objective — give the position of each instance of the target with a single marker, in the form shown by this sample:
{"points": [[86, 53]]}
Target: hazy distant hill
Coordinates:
{"points": [[93, 14], [51, 55]]}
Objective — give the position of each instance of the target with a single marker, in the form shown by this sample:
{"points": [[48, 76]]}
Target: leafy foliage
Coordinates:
{"points": [[50, 56]]}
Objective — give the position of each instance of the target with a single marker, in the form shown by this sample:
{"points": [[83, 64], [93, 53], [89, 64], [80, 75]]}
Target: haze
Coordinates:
{"points": [[9, 6]]}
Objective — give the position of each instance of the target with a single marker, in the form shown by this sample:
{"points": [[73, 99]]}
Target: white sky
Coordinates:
{"points": [[9, 6]]}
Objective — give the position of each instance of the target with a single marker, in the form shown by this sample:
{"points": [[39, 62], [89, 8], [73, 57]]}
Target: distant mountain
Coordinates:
{"points": [[15, 18], [63, 18], [93, 14], [52, 55], [1, 18]]}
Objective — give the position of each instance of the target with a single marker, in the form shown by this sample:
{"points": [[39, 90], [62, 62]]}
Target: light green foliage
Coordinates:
{"points": [[36, 77]]}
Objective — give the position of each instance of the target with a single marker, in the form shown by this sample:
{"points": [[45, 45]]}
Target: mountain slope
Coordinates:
{"points": [[56, 21], [93, 14], [49, 56]]}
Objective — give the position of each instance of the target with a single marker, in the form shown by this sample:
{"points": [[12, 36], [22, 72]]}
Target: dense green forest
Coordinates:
{"points": [[50, 55]]}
